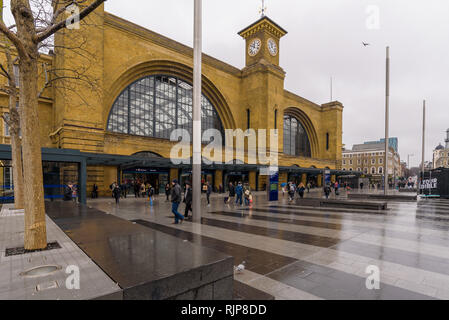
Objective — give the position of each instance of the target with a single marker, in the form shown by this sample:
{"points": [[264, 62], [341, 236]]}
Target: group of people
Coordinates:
{"points": [[70, 192], [140, 190], [291, 188], [328, 189], [241, 192]]}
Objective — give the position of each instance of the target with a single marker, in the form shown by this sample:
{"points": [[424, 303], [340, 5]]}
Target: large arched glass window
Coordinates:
{"points": [[296, 141], [154, 106]]}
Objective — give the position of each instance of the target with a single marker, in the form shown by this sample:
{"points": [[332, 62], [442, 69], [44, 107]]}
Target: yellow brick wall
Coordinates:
{"points": [[122, 52]]}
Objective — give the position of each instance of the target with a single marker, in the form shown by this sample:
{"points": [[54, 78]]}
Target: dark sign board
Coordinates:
{"points": [[435, 183]]}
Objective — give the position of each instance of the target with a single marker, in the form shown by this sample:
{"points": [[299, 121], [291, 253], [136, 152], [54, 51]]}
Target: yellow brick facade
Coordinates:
{"points": [[123, 52]]}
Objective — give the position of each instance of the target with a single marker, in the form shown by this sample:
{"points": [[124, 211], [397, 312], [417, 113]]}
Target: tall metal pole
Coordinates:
{"points": [[197, 60], [423, 142], [332, 89], [387, 120]]}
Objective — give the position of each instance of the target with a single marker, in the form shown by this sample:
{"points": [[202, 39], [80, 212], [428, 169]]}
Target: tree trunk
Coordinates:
{"points": [[35, 224], [16, 143], [16, 154], [35, 227]]}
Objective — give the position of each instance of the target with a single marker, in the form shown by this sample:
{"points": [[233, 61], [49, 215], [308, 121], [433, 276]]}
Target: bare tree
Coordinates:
{"points": [[13, 122], [34, 26]]}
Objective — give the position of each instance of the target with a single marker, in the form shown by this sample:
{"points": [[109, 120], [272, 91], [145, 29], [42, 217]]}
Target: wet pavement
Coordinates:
{"points": [[297, 252]]}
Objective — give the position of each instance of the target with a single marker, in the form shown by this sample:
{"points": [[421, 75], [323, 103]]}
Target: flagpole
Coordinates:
{"points": [[387, 121], [423, 145], [197, 59]]}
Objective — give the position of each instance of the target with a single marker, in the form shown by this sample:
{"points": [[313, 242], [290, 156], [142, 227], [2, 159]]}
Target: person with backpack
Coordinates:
{"points": [[291, 191], [301, 190], [247, 193], [239, 193]]}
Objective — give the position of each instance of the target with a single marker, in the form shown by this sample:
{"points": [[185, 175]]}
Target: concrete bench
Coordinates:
{"points": [[145, 263], [390, 197], [348, 204]]}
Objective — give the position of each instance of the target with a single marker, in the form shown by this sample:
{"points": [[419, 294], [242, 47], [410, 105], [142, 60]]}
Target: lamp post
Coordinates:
{"points": [[387, 116], [408, 160], [197, 60], [423, 144]]}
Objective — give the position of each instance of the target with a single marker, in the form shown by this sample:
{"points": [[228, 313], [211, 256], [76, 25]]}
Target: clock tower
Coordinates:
{"points": [[262, 41]]}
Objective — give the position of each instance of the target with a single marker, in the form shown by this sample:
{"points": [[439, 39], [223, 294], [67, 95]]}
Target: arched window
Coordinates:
{"points": [[296, 141], [154, 106], [381, 170]]}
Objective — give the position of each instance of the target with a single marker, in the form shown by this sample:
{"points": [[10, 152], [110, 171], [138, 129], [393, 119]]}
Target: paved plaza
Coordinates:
{"points": [[294, 252]]}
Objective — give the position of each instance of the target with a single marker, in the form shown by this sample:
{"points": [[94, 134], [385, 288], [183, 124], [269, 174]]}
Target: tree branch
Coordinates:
{"points": [[53, 28], [13, 38]]}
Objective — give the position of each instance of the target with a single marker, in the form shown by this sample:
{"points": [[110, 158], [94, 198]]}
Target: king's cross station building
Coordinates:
{"points": [[111, 109]]}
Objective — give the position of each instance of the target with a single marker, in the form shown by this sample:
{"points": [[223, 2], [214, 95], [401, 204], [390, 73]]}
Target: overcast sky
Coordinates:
{"points": [[325, 39]]}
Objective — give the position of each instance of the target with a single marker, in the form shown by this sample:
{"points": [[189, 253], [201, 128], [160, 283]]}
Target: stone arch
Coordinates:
{"points": [[147, 154], [171, 68], [308, 126]]}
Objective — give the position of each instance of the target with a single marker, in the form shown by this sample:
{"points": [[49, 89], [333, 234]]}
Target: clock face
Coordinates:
{"points": [[272, 47], [254, 47]]}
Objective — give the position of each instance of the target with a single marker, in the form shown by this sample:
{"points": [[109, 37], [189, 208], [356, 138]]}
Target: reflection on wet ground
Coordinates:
{"points": [[295, 252]]}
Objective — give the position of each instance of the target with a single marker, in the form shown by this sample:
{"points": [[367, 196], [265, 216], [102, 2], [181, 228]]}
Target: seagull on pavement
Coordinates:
{"points": [[240, 268]]}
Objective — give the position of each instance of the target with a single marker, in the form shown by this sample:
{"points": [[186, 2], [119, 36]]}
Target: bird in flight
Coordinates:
{"points": [[365, 44]]}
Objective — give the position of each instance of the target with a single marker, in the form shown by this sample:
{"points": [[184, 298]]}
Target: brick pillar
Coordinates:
{"points": [[304, 178], [252, 180], [320, 180], [218, 179], [283, 177], [174, 174]]}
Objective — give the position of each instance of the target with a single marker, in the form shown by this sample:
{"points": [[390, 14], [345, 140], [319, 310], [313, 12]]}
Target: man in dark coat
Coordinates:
{"points": [[188, 198], [117, 193], [176, 195], [208, 192], [231, 192]]}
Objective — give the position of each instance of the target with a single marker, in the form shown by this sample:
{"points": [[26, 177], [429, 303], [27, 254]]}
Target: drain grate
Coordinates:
{"points": [[21, 250], [40, 271]]}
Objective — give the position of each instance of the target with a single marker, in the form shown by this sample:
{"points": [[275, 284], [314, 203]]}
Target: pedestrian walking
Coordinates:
{"points": [[239, 193], [247, 193], [95, 191], [151, 193], [301, 190], [327, 191], [291, 191], [231, 193], [188, 198], [176, 200], [337, 187], [68, 192], [167, 192], [208, 192], [116, 193]]}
